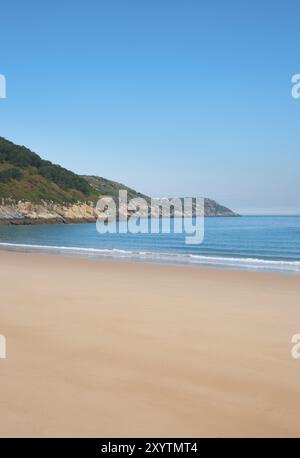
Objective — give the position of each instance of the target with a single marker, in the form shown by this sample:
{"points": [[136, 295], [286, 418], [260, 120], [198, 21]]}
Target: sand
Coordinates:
{"points": [[112, 349]]}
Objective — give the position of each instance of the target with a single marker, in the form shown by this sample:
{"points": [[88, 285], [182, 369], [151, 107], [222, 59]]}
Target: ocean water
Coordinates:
{"points": [[262, 243]]}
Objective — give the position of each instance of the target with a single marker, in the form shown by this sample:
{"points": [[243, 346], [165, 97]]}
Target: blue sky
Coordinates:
{"points": [[170, 97]]}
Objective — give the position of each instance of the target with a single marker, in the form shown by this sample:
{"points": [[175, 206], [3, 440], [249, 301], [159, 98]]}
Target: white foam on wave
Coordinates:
{"points": [[160, 257]]}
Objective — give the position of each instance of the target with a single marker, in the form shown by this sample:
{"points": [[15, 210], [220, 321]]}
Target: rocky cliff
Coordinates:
{"points": [[45, 212], [24, 212]]}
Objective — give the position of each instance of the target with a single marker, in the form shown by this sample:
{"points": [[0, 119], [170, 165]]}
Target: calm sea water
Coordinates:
{"points": [[269, 243]]}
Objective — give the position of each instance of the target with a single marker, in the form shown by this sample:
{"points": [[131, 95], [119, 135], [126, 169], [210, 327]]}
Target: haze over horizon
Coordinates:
{"points": [[171, 98]]}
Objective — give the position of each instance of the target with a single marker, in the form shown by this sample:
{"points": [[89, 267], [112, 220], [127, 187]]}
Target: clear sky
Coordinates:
{"points": [[171, 97]]}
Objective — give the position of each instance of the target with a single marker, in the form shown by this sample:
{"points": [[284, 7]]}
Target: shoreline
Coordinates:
{"points": [[110, 349], [26, 221], [279, 267], [41, 221]]}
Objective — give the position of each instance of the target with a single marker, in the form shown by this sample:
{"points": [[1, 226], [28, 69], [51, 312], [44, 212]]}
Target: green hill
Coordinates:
{"points": [[106, 187], [24, 175]]}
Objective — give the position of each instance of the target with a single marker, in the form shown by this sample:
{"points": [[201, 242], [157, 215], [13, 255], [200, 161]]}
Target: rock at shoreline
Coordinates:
{"points": [[19, 213]]}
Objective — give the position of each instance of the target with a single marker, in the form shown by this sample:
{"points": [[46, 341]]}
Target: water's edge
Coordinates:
{"points": [[250, 264]]}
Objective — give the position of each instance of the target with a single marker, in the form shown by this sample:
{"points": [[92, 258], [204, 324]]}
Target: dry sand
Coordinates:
{"points": [[100, 348]]}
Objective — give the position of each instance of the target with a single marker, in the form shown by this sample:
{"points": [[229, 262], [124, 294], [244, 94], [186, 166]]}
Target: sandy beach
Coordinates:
{"points": [[112, 349]]}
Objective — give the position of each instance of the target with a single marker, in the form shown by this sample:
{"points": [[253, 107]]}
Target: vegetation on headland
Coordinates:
{"points": [[111, 188], [24, 175]]}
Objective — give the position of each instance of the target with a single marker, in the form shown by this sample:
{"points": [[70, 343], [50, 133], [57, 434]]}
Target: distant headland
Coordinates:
{"points": [[33, 190]]}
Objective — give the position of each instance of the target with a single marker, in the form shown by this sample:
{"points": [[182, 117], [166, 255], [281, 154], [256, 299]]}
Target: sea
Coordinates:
{"points": [[257, 243]]}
